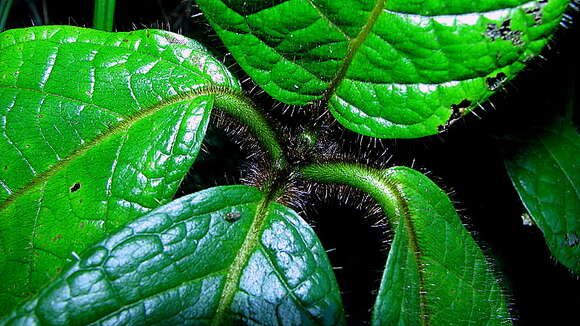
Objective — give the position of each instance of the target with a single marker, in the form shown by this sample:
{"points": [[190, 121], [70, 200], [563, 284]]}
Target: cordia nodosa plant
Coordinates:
{"points": [[99, 131]]}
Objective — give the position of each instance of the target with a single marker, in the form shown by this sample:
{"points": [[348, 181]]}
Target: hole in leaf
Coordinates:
{"points": [[504, 32], [535, 12], [458, 109], [75, 187], [494, 83]]}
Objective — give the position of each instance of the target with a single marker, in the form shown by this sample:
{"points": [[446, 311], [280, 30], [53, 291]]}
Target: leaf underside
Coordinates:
{"points": [[222, 256], [96, 129], [546, 173], [389, 69], [435, 273]]}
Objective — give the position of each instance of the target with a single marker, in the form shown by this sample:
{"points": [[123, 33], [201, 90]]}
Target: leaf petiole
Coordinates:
{"points": [[371, 181], [241, 108]]}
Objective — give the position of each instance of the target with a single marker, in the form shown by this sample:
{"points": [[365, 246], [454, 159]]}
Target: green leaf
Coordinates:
{"points": [[546, 173], [396, 69], [96, 129], [435, 272], [226, 255]]}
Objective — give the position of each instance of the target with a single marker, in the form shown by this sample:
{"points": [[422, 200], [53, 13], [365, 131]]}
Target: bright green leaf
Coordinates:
{"points": [[226, 255], [435, 273], [96, 129], [396, 69], [546, 173]]}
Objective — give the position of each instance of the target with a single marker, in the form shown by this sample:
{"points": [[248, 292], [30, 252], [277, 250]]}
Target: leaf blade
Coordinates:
{"points": [[196, 239], [546, 175], [435, 273], [113, 121], [389, 69]]}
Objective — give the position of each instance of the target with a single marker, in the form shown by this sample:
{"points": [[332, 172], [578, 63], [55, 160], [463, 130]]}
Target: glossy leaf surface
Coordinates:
{"points": [[96, 129], [546, 173], [388, 68], [435, 273], [222, 256]]}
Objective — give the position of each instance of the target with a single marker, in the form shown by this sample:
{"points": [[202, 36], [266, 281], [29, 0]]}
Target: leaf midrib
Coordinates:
{"points": [[382, 188], [414, 248], [240, 260], [353, 46], [115, 130]]}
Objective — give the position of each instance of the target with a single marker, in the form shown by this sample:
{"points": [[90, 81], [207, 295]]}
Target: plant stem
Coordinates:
{"points": [[5, 6], [238, 106], [104, 15], [374, 182]]}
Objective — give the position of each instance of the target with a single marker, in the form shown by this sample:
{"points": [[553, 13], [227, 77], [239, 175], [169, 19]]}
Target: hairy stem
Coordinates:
{"points": [[366, 179], [238, 106]]}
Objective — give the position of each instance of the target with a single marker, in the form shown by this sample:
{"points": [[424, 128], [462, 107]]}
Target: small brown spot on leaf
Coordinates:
{"points": [[75, 187], [57, 237], [81, 225]]}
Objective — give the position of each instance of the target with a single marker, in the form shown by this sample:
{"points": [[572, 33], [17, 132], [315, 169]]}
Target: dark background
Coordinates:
{"points": [[467, 161]]}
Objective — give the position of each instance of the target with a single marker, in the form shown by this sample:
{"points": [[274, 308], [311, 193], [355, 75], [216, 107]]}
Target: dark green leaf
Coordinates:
{"points": [[96, 129], [546, 173], [218, 257], [398, 68]]}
